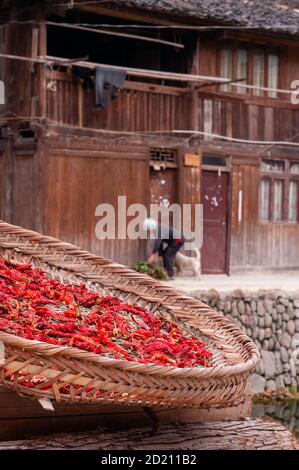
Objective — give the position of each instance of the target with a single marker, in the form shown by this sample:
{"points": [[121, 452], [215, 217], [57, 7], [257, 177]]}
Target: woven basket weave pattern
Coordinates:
{"points": [[73, 375]]}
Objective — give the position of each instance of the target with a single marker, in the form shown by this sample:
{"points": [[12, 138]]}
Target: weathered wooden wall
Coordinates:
{"points": [[249, 121], [22, 78], [54, 184], [255, 244], [81, 173], [23, 195], [247, 116], [24, 86]]}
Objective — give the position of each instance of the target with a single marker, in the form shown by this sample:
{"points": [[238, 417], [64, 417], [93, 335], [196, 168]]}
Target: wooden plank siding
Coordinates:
{"points": [[83, 173], [23, 195], [247, 121], [17, 167], [132, 110], [255, 244], [217, 116], [20, 76]]}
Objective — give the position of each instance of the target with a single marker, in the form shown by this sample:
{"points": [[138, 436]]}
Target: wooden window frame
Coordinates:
{"points": [[292, 177], [267, 49], [222, 169], [286, 177], [154, 164]]}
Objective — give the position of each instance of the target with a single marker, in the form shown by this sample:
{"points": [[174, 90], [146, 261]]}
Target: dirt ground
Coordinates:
{"points": [[251, 281]]}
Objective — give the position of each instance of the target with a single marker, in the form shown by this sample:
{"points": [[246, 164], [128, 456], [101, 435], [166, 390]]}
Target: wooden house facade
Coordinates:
{"points": [[60, 158]]}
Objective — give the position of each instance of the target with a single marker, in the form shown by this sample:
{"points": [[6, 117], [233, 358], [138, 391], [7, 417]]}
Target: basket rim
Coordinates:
{"points": [[47, 349]]}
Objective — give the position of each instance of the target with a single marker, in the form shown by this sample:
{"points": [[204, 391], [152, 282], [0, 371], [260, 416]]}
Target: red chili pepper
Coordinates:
{"points": [[35, 307], [24, 267]]}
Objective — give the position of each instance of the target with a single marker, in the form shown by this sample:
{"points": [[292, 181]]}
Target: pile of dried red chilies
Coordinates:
{"points": [[35, 307]]}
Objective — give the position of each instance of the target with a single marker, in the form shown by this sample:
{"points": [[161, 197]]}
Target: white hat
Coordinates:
{"points": [[149, 224]]}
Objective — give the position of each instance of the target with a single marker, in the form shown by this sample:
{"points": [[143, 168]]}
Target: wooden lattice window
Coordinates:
{"points": [[279, 191], [163, 157], [252, 65]]}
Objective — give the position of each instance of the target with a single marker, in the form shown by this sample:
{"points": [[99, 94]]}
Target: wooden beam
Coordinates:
{"points": [[150, 88], [127, 14], [246, 99], [104, 154], [255, 38]]}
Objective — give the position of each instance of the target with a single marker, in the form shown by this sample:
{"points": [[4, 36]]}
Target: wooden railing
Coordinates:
{"points": [[139, 107], [147, 107]]}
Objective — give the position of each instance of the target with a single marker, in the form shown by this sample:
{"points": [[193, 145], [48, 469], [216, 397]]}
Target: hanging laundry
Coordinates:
{"points": [[85, 74], [106, 83]]}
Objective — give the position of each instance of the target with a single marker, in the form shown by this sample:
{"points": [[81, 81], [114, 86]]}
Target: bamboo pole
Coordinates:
{"points": [[164, 75], [135, 72], [118, 34]]}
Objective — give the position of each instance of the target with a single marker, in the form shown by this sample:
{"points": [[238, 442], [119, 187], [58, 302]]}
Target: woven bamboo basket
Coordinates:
{"points": [[224, 384]]}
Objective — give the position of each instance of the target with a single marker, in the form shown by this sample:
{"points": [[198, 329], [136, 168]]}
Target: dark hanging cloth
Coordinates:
{"points": [[106, 83], [86, 75]]}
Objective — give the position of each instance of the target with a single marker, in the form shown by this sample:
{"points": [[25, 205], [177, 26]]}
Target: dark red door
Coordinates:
{"points": [[214, 197]]}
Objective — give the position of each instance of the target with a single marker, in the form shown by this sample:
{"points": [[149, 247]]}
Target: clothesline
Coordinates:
{"points": [[234, 139], [191, 133]]}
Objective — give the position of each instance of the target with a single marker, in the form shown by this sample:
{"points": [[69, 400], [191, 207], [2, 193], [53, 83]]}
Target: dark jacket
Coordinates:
{"points": [[166, 236]]}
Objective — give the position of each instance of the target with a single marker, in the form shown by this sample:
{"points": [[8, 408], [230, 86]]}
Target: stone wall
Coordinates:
{"points": [[271, 319]]}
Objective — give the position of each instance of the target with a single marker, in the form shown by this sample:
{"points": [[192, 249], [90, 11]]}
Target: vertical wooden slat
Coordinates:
{"points": [[43, 68]]}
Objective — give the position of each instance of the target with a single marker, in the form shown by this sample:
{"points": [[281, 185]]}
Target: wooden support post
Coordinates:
{"points": [[43, 71], [40, 154], [39, 186], [195, 173], [194, 92], [81, 106], [9, 177]]}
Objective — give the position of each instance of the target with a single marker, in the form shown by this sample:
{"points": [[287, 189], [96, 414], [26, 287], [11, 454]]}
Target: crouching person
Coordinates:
{"points": [[167, 242]]}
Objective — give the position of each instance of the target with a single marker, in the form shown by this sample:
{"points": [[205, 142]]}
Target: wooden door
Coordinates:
{"points": [[163, 186], [214, 197]]}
